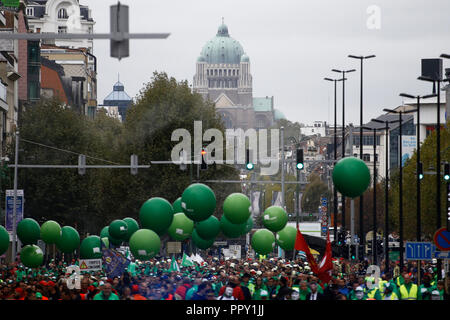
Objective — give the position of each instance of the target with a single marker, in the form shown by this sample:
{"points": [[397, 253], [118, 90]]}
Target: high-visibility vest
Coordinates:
{"points": [[381, 285], [371, 294], [411, 295], [393, 296]]}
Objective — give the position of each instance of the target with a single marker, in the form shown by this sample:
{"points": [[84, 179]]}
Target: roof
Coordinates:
{"points": [[262, 104], [389, 117], [118, 94]]}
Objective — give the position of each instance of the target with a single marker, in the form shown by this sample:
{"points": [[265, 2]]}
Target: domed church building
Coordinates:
{"points": [[223, 76]]}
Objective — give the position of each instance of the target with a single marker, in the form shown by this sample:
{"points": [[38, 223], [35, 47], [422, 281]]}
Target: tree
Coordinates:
{"points": [[313, 192]]}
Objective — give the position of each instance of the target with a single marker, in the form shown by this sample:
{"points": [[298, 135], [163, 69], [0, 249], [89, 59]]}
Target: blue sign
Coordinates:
{"points": [[324, 201], [442, 239], [442, 254], [419, 251], [9, 216]]}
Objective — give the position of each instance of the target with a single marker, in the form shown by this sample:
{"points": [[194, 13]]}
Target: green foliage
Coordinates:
{"points": [[91, 201], [428, 189], [313, 192]]}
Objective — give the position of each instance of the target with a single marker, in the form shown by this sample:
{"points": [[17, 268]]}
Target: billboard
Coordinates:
{"points": [[409, 145], [9, 210]]}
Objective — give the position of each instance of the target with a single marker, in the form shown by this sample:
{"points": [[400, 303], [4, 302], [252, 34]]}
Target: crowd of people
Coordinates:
{"points": [[222, 279]]}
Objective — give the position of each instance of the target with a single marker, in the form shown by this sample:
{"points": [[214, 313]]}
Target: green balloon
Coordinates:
{"points": [[156, 214], [231, 230], [198, 202], [275, 218], [201, 243], [177, 206], [69, 240], [91, 248], [118, 229], [181, 227], [237, 208], [105, 232], [351, 177], [145, 244], [28, 231], [263, 241], [115, 241], [4, 240], [286, 238], [249, 225], [31, 256], [133, 226], [209, 228], [50, 232], [105, 241]]}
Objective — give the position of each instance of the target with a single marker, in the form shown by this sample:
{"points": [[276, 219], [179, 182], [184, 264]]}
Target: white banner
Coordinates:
{"points": [[409, 144], [256, 197]]}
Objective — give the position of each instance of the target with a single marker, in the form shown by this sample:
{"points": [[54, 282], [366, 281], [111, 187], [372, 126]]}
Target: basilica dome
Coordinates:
{"points": [[222, 49]]}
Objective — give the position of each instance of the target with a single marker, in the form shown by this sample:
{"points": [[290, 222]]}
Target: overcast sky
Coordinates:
{"points": [[292, 45]]}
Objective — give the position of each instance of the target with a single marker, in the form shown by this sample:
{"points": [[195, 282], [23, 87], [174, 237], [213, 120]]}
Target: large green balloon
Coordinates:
{"points": [[237, 208], [69, 240], [118, 229], [31, 256], [181, 227], [209, 228], [263, 241], [50, 232], [133, 226], [156, 214], [28, 231], [231, 230], [4, 240], [351, 177], [201, 243], [177, 206], [145, 244], [286, 238], [105, 232], [275, 218], [91, 248], [198, 202], [249, 225]]}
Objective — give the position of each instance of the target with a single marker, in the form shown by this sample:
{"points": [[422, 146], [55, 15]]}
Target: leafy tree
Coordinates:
{"points": [[313, 192]]}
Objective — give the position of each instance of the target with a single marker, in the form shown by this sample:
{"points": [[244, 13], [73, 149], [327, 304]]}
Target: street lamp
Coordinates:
{"points": [[343, 131], [374, 238], [400, 113], [361, 198], [335, 201], [386, 193], [419, 175], [438, 153]]}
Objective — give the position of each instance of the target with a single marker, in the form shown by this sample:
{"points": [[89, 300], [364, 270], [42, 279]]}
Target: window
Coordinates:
{"points": [[376, 157], [366, 157], [30, 11], [62, 14], [62, 29], [3, 92]]}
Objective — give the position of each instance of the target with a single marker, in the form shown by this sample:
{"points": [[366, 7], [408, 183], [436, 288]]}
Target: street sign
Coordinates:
{"points": [[90, 265], [324, 230], [9, 216], [220, 243], [419, 251], [442, 239], [324, 201], [442, 254]]}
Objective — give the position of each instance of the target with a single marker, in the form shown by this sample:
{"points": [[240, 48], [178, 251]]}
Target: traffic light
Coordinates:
{"points": [[361, 252], [379, 246], [300, 162], [248, 164], [204, 165], [446, 171], [353, 252], [119, 25], [420, 169]]}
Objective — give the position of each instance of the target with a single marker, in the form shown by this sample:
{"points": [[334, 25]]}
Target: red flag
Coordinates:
{"points": [[326, 265], [301, 245]]}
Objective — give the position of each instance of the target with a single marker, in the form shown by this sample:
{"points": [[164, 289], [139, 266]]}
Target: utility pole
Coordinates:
{"points": [[282, 169], [16, 161]]}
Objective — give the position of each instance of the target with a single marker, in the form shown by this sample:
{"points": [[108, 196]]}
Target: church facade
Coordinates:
{"points": [[223, 76]]}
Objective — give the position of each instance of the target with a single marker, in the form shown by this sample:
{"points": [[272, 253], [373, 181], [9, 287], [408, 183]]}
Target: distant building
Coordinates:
{"points": [[112, 112], [223, 76], [120, 99], [318, 128]]}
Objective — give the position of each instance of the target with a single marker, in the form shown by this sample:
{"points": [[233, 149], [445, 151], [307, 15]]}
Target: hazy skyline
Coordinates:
{"points": [[292, 46]]}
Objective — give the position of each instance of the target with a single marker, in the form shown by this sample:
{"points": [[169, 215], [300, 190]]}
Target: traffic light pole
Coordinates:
{"points": [[14, 235]]}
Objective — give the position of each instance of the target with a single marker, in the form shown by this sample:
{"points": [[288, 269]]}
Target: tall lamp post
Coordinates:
{"points": [[343, 131], [419, 173], [386, 193], [335, 199], [361, 198], [438, 157], [400, 178], [375, 227]]}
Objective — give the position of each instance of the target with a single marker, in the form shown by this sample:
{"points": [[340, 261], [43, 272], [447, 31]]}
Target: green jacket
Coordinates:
{"points": [[257, 294], [426, 295], [99, 296]]}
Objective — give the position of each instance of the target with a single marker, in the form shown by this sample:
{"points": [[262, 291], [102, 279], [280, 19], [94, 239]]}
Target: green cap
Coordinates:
{"points": [[38, 295]]}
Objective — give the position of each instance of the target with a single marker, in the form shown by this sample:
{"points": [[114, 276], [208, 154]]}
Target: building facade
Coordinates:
{"points": [[119, 99], [223, 76]]}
